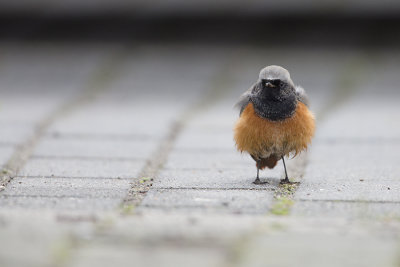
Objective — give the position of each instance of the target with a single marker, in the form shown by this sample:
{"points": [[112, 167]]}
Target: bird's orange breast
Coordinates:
{"points": [[262, 137]]}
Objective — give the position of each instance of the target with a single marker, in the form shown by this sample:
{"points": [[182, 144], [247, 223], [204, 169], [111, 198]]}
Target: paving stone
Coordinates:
{"points": [[94, 148], [82, 168], [12, 113], [106, 119], [205, 160], [191, 228], [67, 187], [51, 76], [129, 108], [320, 241], [320, 249], [39, 235], [59, 203], [5, 153], [171, 237], [347, 209], [352, 171], [240, 201], [15, 133], [192, 139], [109, 254], [233, 178], [365, 117], [218, 117]]}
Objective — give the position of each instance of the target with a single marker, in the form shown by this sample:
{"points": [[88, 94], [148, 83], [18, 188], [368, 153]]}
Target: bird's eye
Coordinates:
{"points": [[272, 83], [276, 82]]}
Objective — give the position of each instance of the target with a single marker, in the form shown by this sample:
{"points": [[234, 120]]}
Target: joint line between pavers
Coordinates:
{"points": [[216, 188]]}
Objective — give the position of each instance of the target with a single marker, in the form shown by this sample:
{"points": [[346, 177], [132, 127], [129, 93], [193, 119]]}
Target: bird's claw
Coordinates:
{"points": [[287, 181], [258, 181]]}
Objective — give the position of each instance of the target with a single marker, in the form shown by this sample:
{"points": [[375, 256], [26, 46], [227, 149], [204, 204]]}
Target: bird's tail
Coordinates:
{"points": [[269, 162]]}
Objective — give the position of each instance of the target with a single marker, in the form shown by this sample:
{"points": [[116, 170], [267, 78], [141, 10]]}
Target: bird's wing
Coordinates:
{"points": [[301, 95], [244, 100]]}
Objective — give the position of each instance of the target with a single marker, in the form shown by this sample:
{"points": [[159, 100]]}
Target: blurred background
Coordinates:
{"points": [[334, 23], [116, 133]]}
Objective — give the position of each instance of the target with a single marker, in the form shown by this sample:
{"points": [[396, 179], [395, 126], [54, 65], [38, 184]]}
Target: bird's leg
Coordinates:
{"points": [[286, 180], [258, 172], [257, 180]]}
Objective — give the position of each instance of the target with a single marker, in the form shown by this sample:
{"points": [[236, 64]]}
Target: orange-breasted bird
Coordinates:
{"points": [[274, 120]]}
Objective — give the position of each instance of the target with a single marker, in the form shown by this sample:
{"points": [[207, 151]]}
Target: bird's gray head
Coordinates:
{"points": [[274, 76], [274, 95], [274, 83]]}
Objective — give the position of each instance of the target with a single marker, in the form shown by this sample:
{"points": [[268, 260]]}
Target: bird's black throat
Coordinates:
{"points": [[275, 106]]}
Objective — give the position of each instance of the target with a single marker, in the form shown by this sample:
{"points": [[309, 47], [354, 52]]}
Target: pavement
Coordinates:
{"points": [[123, 155]]}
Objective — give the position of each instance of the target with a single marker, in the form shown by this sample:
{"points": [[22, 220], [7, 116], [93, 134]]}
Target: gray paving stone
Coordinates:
{"points": [[320, 249], [49, 64], [218, 117], [160, 227], [217, 140], [237, 201], [229, 178], [347, 209], [199, 159], [25, 110], [5, 153], [109, 254], [41, 237], [129, 108], [67, 187], [351, 171], [109, 119], [365, 117], [58, 203], [15, 133], [94, 148], [51, 76], [82, 168]]}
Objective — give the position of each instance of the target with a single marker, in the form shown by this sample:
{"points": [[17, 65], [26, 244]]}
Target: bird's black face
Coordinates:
{"points": [[271, 84], [272, 88]]}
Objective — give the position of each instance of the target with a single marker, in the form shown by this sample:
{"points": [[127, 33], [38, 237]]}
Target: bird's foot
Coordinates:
{"points": [[287, 181], [258, 181]]}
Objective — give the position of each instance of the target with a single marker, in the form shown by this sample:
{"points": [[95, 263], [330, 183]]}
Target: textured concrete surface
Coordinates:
{"points": [[234, 201], [79, 167], [124, 155]]}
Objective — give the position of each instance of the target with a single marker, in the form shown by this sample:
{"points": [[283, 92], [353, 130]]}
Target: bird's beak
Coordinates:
{"points": [[268, 84]]}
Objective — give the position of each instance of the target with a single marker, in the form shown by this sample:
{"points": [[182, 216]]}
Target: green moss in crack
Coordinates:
{"points": [[282, 206], [145, 179]]}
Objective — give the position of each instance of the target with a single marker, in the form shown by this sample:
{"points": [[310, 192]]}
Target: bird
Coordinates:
{"points": [[274, 120]]}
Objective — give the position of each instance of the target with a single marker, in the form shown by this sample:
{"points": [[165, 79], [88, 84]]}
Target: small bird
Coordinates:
{"points": [[274, 120]]}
